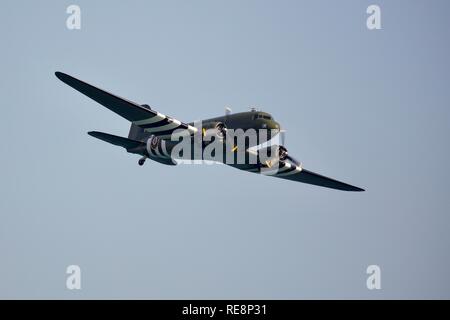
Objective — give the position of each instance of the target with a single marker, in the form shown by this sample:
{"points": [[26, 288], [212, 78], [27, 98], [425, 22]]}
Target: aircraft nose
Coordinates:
{"points": [[273, 128], [273, 125]]}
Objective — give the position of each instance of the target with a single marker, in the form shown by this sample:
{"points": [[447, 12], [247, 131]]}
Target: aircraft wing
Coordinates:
{"points": [[143, 116], [290, 171], [293, 172], [302, 175]]}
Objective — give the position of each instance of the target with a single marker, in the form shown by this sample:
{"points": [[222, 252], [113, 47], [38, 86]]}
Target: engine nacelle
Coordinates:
{"points": [[271, 155], [284, 156], [282, 153]]}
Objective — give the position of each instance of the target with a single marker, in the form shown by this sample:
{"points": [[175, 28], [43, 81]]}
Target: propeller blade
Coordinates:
{"points": [[282, 137], [283, 143]]}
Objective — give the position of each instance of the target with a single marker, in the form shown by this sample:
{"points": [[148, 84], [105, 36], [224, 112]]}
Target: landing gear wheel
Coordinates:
{"points": [[141, 162]]}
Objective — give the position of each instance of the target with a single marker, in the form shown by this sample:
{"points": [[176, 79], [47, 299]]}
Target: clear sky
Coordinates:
{"points": [[370, 108]]}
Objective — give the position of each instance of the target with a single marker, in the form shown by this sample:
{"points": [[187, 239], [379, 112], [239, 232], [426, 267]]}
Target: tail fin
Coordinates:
{"points": [[136, 132]]}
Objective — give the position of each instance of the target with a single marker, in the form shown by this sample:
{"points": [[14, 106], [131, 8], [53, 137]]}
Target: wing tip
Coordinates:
{"points": [[323, 181], [64, 77], [356, 189], [348, 187], [59, 74], [94, 134]]}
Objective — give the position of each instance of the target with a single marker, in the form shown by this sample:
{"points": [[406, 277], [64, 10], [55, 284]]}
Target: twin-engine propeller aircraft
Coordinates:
{"points": [[156, 136]]}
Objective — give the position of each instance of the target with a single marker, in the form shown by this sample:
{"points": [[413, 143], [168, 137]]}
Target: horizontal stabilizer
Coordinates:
{"points": [[116, 140], [132, 146]]}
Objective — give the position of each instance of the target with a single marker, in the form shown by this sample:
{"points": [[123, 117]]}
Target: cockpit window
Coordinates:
{"points": [[262, 116]]}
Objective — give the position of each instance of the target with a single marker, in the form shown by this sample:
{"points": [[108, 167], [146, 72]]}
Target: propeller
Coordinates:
{"points": [[284, 155], [282, 137], [221, 130]]}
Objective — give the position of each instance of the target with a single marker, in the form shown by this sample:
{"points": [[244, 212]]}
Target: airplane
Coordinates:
{"points": [[151, 136]]}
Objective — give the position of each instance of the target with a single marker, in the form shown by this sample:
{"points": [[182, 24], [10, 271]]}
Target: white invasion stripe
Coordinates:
{"points": [[192, 129], [166, 127], [152, 152], [163, 147], [286, 167], [296, 170], [164, 137], [158, 154], [156, 118], [175, 135]]}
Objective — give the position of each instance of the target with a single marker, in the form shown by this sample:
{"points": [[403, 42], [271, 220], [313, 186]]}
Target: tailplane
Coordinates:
{"points": [[134, 146], [129, 144]]}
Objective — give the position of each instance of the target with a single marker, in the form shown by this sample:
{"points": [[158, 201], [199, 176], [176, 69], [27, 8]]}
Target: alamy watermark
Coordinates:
{"points": [[373, 281], [73, 281], [373, 21], [73, 21]]}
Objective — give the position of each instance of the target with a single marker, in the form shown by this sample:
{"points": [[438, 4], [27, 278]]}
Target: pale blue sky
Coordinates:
{"points": [[368, 107]]}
